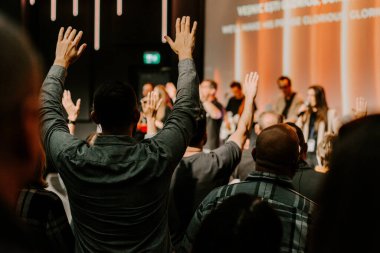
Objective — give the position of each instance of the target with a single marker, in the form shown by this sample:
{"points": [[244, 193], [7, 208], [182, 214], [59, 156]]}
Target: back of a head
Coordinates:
{"points": [[277, 150], [324, 149], [20, 81], [350, 192], [269, 118], [115, 105], [242, 223]]}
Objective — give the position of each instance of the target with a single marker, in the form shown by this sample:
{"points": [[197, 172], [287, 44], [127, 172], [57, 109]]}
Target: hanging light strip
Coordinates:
{"points": [[164, 20], [75, 8], [119, 8], [97, 25], [53, 10]]}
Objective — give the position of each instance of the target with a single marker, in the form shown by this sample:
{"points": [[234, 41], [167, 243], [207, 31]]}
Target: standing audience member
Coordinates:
{"points": [[165, 107], [242, 223], [346, 220], [141, 124], [306, 180], [247, 164], [232, 115], [147, 87], [44, 213], [289, 102], [20, 149], [198, 172], [172, 91], [316, 119], [214, 110], [119, 188], [276, 155]]}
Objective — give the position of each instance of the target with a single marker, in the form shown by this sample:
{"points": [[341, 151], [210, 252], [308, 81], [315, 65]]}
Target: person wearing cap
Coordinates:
{"points": [[276, 155]]}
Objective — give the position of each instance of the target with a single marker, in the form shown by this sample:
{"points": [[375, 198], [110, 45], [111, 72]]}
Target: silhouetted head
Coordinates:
{"points": [[115, 107], [277, 150], [242, 223]]}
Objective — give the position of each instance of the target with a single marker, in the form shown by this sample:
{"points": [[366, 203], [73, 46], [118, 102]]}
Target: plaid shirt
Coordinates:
{"points": [[293, 209], [43, 211]]}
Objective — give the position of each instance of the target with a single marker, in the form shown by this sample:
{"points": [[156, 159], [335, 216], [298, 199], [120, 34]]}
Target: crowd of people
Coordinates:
{"points": [[157, 176]]}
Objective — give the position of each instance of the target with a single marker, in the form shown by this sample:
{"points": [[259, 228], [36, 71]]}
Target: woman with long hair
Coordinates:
{"points": [[316, 119]]}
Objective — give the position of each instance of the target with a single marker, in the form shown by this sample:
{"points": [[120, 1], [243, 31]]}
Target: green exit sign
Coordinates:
{"points": [[152, 57]]}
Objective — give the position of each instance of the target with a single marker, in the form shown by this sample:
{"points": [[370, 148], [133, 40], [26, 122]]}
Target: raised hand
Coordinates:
{"points": [[72, 109], [250, 86], [360, 107], [68, 49], [185, 39], [150, 105]]}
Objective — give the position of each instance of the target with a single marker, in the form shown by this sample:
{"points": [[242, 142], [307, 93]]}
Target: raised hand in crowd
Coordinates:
{"points": [[246, 119], [150, 105], [68, 49], [185, 39], [71, 109], [360, 108]]}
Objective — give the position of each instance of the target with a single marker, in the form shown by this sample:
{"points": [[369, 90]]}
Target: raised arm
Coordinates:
{"points": [[150, 105], [179, 127], [55, 133], [246, 119], [71, 109]]}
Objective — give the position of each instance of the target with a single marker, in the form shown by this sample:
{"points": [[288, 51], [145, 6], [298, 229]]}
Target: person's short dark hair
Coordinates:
{"points": [[282, 78], [213, 84], [235, 84], [242, 223], [200, 134], [277, 149], [115, 104]]}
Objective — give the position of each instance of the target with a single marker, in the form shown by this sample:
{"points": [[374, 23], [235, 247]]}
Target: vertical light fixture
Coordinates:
{"points": [[53, 10], [344, 59], [97, 25], [75, 8], [164, 19], [32, 2], [119, 7]]}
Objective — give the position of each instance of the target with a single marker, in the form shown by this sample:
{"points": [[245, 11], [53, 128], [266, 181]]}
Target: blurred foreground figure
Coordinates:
{"points": [[347, 218], [20, 149]]}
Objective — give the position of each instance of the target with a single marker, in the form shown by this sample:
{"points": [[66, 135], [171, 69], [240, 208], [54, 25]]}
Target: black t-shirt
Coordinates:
{"points": [[288, 103], [234, 104], [213, 129]]}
